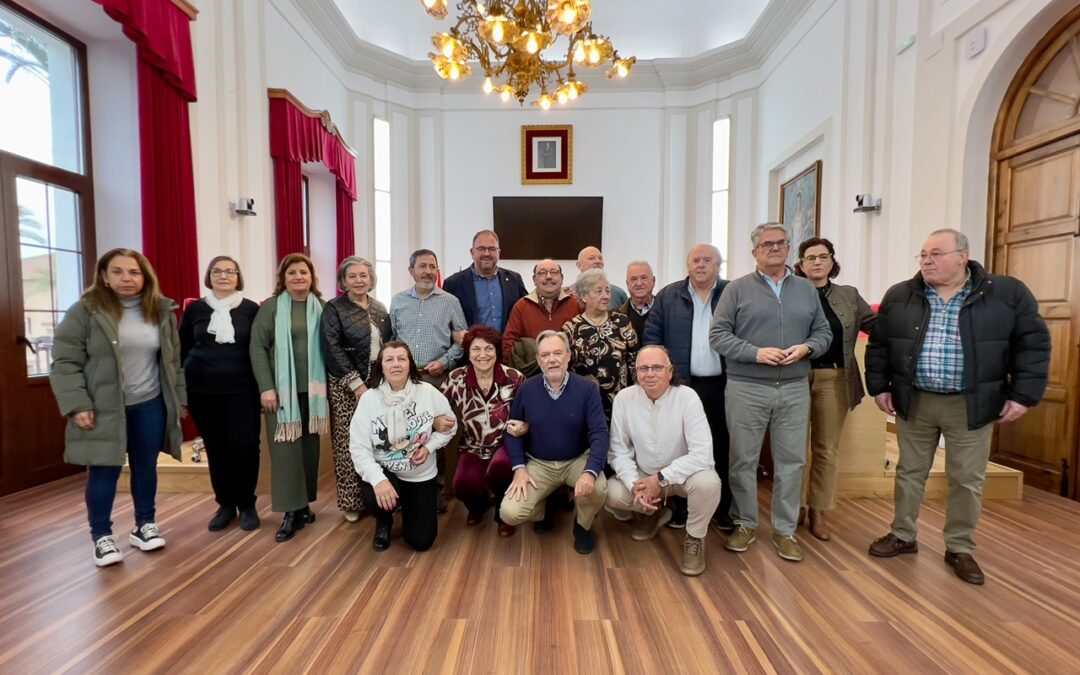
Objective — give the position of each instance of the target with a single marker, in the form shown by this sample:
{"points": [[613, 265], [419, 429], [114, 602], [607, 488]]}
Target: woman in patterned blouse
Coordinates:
{"points": [[480, 394], [603, 342]]}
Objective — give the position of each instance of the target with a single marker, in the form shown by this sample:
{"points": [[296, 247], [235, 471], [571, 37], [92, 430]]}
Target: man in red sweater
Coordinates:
{"points": [[547, 307]]}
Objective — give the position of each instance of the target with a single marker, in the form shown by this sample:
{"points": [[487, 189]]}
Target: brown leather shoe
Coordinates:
{"points": [[889, 546], [819, 526], [965, 567], [506, 531]]}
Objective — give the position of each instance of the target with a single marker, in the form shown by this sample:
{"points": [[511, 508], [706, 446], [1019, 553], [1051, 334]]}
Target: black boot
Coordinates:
{"points": [[309, 515], [551, 507], [290, 524], [249, 519], [583, 540], [382, 535]]}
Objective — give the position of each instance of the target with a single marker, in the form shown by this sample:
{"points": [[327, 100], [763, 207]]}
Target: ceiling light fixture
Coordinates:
{"points": [[508, 38]]}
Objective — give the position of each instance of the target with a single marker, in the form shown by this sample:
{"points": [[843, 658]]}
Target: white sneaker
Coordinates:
{"points": [[619, 515], [147, 538], [106, 552]]}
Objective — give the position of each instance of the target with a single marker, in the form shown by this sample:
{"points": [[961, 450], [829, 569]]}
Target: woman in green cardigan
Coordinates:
{"points": [[117, 378], [288, 362]]}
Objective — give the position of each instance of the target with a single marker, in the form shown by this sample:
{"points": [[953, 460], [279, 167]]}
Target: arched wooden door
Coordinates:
{"points": [[1034, 230]]}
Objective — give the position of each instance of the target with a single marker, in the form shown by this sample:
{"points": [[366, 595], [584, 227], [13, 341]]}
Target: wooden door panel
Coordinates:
{"points": [[1043, 191], [1045, 265]]}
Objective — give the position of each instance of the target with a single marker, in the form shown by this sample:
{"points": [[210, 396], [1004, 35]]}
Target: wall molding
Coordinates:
{"points": [[749, 53]]}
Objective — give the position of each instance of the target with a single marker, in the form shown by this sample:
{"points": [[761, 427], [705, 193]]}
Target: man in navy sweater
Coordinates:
{"points": [[567, 439]]}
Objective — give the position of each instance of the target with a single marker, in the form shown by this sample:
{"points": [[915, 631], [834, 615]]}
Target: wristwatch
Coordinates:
{"points": [[660, 477]]}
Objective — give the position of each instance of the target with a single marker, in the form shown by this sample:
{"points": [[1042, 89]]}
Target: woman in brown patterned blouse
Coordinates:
{"points": [[603, 342], [480, 394]]}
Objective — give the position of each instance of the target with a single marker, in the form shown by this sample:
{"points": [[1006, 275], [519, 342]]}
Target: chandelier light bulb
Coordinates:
{"points": [[448, 48], [622, 69], [497, 32], [532, 45], [455, 72], [572, 91], [579, 52], [545, 102], [505, 95], [594, 54], [480, 8], [488, 87], [429, 3], [562, 96], [569, 12]]}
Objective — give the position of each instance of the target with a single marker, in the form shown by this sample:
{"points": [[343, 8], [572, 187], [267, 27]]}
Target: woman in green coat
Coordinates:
{"points": [[117, 378], [286, 356]]}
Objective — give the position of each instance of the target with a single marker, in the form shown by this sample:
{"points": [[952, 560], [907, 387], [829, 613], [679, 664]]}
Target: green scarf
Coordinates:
{"points": [[289, 426]]}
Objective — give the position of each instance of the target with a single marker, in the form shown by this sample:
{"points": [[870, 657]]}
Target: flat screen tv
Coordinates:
{"points": [[532, 228]]}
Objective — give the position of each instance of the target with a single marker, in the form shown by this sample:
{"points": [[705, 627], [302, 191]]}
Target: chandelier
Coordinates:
{"points": [[508, 38]]}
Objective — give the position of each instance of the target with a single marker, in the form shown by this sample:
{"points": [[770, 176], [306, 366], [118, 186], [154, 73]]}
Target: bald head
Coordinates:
{"points": [[703, 265], [589, 258]]}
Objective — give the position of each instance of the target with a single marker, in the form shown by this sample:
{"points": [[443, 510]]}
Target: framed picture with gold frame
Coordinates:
{"points": [[800, 207], [547, 154]]}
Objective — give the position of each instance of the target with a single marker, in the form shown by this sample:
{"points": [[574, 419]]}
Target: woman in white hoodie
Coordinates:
{"points": [[392, 442]]}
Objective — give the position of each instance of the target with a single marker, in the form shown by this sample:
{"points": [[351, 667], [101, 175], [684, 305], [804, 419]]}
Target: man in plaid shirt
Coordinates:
{"points": [[954, 351]]}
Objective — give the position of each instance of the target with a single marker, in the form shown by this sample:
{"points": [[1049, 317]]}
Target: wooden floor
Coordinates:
{"points": [[326, 603]]}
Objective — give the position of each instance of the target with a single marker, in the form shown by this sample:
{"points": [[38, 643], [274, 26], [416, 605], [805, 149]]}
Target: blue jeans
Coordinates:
{"points": [[145, 438]]}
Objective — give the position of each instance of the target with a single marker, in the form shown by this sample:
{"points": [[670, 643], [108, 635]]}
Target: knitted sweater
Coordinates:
{"points": [[560, 429]]}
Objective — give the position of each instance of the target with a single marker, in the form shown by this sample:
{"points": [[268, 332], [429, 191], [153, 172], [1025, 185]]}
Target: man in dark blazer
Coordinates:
{"points": [[486, 291], [679, 320]]}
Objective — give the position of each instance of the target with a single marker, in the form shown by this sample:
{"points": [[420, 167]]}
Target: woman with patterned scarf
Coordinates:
{"points": [[287, 358]]}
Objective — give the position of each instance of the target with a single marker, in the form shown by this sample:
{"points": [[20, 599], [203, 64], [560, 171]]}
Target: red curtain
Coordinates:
{"points": [[297, 136], [346, 235], [161, 32], [288, 206]]}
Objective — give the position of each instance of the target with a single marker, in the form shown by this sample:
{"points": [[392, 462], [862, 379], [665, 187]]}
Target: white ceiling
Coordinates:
{"points": [[638, 27]]}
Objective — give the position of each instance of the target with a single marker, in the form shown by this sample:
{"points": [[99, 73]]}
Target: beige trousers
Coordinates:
{"points": [[701, 491], [828, 410], [548, 476]]}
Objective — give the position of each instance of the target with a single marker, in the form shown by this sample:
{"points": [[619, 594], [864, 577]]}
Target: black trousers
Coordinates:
{"points": [[229, 425], [419, 519], [711, 392]]}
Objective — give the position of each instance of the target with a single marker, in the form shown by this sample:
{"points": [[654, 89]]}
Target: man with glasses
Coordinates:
{"points": [[487, 292], [566, 442], [431, 322], [954, 351], [660, 447], [680, 320], [547, 307], [766, 325]]}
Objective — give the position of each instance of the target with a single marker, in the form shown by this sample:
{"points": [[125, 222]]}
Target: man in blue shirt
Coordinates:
{"points": [[486, 291]]}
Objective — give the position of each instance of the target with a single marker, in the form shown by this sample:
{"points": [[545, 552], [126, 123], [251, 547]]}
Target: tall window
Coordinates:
{"points": [[383, 232], [721, 151], [43, 169]]}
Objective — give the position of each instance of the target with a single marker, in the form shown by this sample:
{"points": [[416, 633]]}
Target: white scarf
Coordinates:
{"points": [[396, 403], [221, 321]]}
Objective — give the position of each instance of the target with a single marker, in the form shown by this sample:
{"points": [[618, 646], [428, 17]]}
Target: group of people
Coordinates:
{"points": [[653, 405]]}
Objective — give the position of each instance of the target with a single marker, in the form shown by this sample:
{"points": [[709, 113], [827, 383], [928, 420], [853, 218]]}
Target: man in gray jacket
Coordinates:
{"points": [[766, 325]]}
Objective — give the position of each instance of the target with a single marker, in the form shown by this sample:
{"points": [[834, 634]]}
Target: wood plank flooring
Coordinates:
{"points": [[326, 603]]}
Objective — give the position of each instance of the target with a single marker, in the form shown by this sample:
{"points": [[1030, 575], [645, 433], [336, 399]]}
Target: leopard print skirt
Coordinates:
{"points": [[342, 406]]}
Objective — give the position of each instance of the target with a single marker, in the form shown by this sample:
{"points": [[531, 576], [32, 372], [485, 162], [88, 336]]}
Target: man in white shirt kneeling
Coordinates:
{"points": [[661, 446]]}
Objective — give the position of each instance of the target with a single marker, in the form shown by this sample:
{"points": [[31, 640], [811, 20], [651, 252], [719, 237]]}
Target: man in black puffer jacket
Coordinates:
{"points": [[954, 350]]}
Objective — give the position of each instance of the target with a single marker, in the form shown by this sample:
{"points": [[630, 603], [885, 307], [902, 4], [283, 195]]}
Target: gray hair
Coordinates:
{"points": [[639, 262], [343, 269], [420, 253], [550, 334], [537, 265], [755, 235], [588, 281], [961, 238]]}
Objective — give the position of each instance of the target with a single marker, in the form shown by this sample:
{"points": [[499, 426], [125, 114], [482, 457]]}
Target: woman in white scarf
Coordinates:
{"points": [[215, 335], [392, 440]]}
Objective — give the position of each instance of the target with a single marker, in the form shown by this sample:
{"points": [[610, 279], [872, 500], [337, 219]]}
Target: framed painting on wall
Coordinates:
{"points": [[547, 154], [800, 207]]}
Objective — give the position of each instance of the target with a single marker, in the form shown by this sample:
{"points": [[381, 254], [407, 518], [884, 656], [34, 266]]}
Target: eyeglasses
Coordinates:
{"points": [[783, 243], [223, 273], [486, 249], [651, 369], [935, 256], [548, 273], [824, 257]]}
